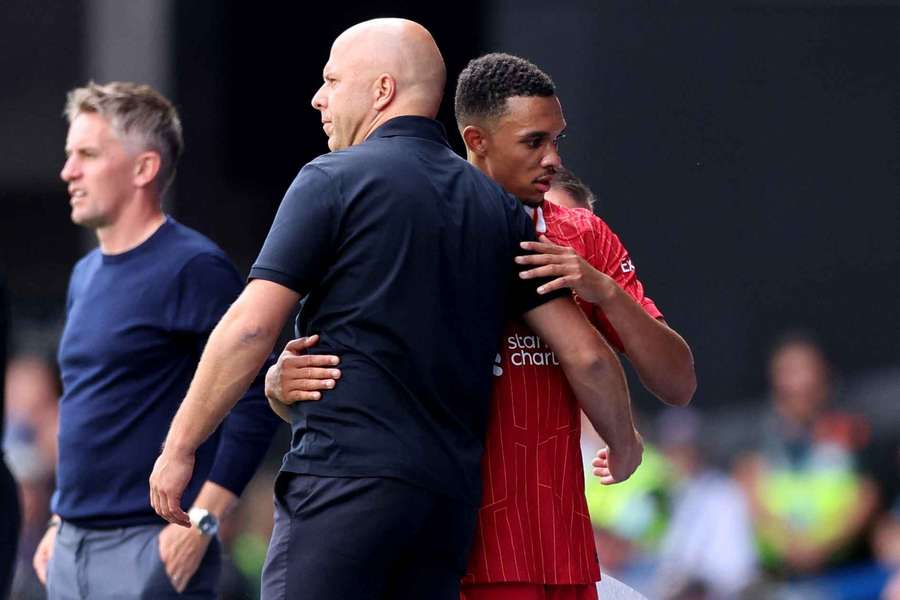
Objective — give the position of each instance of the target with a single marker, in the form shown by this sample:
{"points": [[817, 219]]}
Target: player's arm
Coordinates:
{"points": [[660, 356], [297, 376], [596, 377], [233, 356]]}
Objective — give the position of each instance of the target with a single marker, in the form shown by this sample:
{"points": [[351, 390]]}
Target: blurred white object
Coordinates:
{"points": [[610, 588], [710, 538]]}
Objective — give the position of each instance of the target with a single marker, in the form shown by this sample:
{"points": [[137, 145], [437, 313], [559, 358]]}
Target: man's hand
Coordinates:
{"points": [[44, 552], [570, 270], [181, 551], [617, 467], [297, 376], [170, 476]]}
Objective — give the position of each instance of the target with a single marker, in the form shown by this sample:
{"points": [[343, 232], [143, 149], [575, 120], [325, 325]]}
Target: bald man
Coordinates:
{"points": [[407, 254]]}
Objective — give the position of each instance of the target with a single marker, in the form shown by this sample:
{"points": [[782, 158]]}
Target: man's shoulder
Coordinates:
{"points": [[378, 151], [347, 163], [385, 159], [187, 243], [87, 262]]}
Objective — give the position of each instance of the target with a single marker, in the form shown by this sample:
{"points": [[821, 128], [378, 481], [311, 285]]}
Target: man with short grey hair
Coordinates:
{"points": [[138, 312]]}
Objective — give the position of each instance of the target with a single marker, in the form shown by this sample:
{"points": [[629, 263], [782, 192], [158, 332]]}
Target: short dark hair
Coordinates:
{"points": [[487, 81], [575, 187]]}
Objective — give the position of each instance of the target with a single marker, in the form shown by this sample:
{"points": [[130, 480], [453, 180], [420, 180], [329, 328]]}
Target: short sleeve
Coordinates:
{"points": [[523, 292], [609, 256], [207, 285], [303, 237], [614, 260]]}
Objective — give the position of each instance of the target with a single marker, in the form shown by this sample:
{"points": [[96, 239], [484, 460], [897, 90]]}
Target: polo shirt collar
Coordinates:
{"points": [[410, 126]]}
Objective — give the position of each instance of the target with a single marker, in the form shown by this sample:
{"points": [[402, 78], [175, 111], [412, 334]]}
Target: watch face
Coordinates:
{"points": [[208, 525], [205, 522]]}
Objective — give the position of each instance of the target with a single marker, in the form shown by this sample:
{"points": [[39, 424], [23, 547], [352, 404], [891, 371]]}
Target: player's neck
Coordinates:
{"points": [[131, 228], [478, 162]]}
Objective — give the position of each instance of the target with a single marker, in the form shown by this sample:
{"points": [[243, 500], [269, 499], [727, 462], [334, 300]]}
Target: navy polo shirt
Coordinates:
{"points": [[406, 252]]}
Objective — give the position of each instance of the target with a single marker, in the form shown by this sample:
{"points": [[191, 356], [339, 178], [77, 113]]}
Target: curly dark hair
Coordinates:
{"points": [[487, 81]]}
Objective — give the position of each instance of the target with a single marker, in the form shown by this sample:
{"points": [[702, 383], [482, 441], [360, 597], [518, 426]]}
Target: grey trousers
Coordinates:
{"points": [[121, 564]]}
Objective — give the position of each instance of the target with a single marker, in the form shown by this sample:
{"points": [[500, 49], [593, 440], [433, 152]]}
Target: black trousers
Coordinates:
{"points": [[10, 522], [365, 538]]}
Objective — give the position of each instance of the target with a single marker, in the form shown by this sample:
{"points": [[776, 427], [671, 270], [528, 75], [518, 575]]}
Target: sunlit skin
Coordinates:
{"points": [[345, 97], [520, 148], [112, 183], [99, 170]]}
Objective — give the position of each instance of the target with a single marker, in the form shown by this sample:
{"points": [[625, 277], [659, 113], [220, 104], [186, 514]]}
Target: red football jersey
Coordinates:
{"points": [[533, 524]]}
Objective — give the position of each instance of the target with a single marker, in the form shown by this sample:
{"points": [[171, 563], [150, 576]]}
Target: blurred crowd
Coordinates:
{"points": [[795, 497]]}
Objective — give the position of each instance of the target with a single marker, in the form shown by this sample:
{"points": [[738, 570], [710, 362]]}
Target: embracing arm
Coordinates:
{"points": [[660, 356], [236, 350], [297, 377], [596, 377]]}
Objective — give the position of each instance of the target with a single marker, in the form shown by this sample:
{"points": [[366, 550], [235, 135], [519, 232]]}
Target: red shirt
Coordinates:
{"points": [[533, 524]]}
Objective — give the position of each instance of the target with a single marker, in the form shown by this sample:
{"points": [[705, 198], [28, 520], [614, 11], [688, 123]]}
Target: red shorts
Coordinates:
{"points": [[527, 591]]}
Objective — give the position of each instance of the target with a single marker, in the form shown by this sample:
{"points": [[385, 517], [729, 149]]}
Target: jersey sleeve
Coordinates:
{"points": [[206, 287], [523, 292], [303, 238], [609, 256]]}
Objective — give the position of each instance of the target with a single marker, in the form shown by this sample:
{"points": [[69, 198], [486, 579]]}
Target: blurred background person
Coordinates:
{"points": [[9, 502], [809, 500], [139, 311], [630, 518], [707, 551], [883, 465], [32, 394]]}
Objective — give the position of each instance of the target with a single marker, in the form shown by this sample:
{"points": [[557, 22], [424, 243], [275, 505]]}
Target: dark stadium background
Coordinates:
{"points": [[748, 153]]}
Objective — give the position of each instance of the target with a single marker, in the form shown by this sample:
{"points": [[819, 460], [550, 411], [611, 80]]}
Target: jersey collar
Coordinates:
{"points": [[537, 217]]}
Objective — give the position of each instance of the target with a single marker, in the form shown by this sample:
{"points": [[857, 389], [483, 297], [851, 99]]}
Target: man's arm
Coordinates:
{"points": [[660, 356], [233, 356], [596, 377]]}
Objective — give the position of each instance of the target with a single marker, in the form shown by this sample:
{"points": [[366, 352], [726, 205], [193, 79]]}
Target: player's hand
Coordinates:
{"points": [[181, 551], [44, 552], [569, 269], [617, 466], [170, 476], [297, 376]]}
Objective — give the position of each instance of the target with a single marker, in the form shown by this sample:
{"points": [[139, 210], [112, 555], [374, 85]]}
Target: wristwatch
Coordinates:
{"points": [[205, 522]]}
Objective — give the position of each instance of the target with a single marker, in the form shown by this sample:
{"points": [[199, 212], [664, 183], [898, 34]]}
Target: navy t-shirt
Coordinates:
{"points": [[136, 324], [406, 252]]}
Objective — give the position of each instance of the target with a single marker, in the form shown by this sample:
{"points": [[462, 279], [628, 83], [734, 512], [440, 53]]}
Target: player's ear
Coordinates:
{"points": [[146, 168], [384, 89], [476, 139]]}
